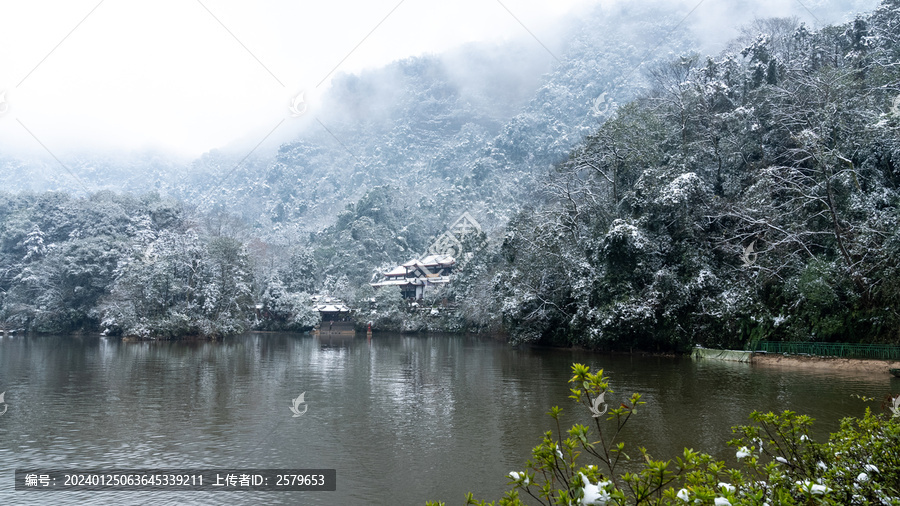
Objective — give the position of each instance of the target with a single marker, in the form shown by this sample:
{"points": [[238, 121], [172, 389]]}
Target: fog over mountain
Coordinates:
{"points": [[506, 71]]}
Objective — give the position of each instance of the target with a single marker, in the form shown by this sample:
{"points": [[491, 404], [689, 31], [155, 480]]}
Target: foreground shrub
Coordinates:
{"points": [[779, 463]]}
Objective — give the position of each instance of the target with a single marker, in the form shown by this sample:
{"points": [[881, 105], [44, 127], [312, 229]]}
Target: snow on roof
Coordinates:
{"points": [[396, 271], [424, 265], [398, 282], [332, 308]]}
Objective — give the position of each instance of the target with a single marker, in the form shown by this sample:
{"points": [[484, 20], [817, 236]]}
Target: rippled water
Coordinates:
{"points": [[403, 419]]}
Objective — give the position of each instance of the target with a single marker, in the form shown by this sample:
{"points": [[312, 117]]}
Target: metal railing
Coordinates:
{"points": [[846, 350]]}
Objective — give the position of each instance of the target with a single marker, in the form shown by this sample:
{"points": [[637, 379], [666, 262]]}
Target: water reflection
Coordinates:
{"points": [[403, 419]]}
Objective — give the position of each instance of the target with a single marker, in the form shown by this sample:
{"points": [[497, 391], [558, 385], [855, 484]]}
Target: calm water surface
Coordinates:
{"points": [[403, 419]]}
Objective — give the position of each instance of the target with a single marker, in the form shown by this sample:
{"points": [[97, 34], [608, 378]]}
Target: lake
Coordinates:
{"points": [[403, 419]]}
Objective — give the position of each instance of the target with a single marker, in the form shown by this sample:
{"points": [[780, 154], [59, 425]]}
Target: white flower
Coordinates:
{"points": [[822, 466], [683, 495], [742, 452], [721, 501], [813, 488], [517, 476], [594, 494], [726, 486], [871, 468], [819, 489], [781, 459], [895, 406], [558, 452], [862, 477]]}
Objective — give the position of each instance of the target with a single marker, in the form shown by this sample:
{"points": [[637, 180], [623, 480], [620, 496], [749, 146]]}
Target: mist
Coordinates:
{"points": [[116, 92]]}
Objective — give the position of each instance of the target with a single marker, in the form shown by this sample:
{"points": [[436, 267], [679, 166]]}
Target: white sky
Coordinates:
{"points": [[168, 74], [171, 74]]}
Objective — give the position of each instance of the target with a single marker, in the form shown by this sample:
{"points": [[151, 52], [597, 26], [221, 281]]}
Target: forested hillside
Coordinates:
{"points": [[634, 194], [136, 266], [751, 195], [394, 156]]}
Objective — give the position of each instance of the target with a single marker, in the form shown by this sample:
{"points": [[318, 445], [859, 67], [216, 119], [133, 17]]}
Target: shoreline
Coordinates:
{"points": [[832, 363], [760, 359]]}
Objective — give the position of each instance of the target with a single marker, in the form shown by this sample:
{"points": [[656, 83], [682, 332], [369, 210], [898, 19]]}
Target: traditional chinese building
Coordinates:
{"points": [[331, 309], [414, 277]]}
